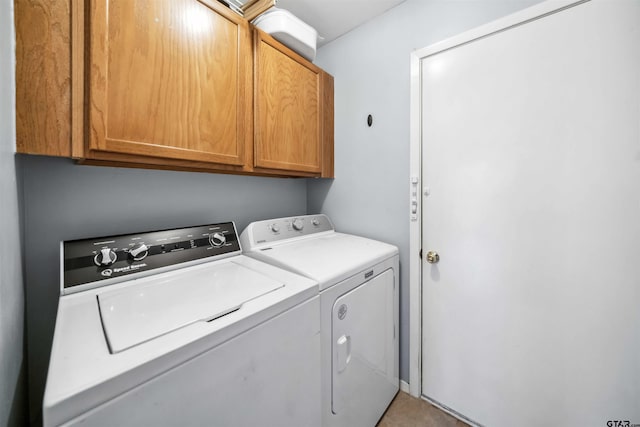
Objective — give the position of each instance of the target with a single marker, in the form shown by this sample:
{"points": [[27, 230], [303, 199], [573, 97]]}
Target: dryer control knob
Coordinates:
{"points": [[315, 222], [105, 257], [139, 252], [217, 239], [298, 224], [274, 228]]}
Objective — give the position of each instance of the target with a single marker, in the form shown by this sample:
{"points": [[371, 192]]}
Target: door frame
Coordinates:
{"points": [[533, 13]]}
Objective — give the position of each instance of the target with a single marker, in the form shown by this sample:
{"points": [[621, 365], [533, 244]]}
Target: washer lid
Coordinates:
{"points": [[140, 313]]}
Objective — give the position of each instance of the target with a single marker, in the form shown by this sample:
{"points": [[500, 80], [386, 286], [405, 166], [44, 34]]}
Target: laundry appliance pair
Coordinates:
{"points": [[179, 327]]}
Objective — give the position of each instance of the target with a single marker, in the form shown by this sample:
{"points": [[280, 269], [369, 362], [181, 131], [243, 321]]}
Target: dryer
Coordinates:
{"points": [[358, 280], [177, 327]]}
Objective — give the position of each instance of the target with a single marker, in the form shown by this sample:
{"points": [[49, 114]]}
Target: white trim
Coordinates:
{"points": [[415, 163], [451, 412], [404, 386], [415, 233], [532, 13]]}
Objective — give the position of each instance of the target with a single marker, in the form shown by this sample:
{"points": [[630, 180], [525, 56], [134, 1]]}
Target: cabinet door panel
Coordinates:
{"points": [[169, 79], [288, 109]]}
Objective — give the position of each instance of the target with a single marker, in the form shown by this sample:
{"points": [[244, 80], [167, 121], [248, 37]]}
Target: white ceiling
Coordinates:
{"points": [[333, 18]]}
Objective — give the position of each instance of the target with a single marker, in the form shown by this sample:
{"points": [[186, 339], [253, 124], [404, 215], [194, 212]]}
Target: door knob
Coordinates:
{"points": [[433, 257]]}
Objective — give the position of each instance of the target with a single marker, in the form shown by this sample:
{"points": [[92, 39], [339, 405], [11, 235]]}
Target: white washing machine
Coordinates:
{"points": [[358, 280], [176, 327]]}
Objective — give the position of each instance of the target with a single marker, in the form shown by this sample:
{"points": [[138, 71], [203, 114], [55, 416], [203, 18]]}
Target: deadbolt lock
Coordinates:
{"points": [[433, 257]]}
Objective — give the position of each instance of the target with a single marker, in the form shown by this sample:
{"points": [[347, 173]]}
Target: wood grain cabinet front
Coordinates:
{"points": [[293, 115], [169, 79], [167, 84]]}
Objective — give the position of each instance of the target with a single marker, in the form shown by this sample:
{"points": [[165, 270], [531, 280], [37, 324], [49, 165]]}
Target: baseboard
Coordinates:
{"points": [[452, 412], [404, 386]]}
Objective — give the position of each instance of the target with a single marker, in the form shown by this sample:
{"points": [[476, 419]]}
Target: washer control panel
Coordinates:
{"points": [[261, 232], [97, 259]]}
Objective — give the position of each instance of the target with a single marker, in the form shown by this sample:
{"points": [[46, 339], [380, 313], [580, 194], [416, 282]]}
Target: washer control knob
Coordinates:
{"points": [[315, 222], [217, 239], [298, 224], [139, 252], [105, 257], [275, 228]]}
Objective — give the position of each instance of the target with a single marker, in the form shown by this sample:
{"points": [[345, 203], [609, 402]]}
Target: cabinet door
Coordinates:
{"points": [[288, 108], [169, 79]]}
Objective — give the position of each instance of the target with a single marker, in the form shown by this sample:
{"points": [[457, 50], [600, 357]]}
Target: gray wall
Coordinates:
{"points": [[371, 66], [369, 196], [12, 399], [64, 201]]}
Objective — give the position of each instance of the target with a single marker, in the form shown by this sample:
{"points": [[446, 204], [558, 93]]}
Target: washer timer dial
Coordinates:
{"points": [[217, 239]]}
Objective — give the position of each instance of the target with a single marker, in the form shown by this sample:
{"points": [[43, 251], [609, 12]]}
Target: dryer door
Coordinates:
{"points": [[363, 345]]}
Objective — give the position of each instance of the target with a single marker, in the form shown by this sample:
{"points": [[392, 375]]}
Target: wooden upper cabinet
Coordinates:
{"points": [[289, 115], [169, 79], [43, 77], [171, 84]]}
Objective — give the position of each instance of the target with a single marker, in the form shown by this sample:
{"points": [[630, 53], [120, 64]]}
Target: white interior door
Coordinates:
{"points": [[531, 158]]}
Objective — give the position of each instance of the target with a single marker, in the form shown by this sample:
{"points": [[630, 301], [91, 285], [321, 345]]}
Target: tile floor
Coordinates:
{"points": [[407, 411]]}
